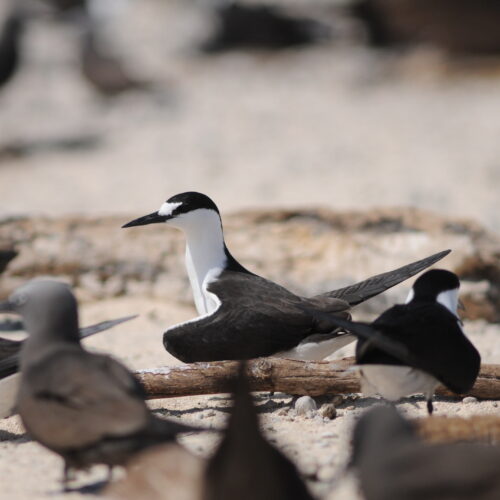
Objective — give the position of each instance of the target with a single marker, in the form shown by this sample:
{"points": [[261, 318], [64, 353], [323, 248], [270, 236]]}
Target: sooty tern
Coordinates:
{"points": [[243, 315], [86, 407], [411, 348]]}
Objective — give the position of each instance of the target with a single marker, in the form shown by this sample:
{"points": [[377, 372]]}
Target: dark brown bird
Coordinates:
{"points": [[245, 466], [10, 40], [392, 462], [86, 407]]}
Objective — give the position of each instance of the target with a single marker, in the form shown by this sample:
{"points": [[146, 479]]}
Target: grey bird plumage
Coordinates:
{"points": [[392, 462], [86, 407]]}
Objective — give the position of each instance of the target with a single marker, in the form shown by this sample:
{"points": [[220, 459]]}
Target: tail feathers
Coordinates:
{"points": [[364, 290], [104, 325], [373, 336]]}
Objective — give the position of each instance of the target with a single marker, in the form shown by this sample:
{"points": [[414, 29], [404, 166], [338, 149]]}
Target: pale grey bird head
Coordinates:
{"points": [[48, 309]]}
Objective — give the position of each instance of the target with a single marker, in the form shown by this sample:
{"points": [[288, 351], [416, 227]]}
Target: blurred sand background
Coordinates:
{"points": [[335, 125]]}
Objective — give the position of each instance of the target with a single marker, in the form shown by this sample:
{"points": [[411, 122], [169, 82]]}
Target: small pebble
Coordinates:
{"points": [[350, 408], [304, 405], [329, 435], [469, 399], [337, 400], [328, 411], [282, 412]]}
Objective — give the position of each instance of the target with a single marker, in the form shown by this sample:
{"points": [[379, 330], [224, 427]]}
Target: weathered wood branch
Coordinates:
{"points": [[444, 429], [314, 378]]}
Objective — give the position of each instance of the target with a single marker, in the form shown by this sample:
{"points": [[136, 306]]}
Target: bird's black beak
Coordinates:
{"points": [[147, 219], [7, 307]]}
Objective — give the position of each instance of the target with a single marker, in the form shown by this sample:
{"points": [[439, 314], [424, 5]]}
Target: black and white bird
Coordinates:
{"points": [[86, 407], [245, 465], [412, 347], [9, 362], [242, 315], [392, 462]]}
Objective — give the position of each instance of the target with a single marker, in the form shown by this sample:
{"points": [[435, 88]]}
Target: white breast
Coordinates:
{"points": [[395, 382], [8, 394]]}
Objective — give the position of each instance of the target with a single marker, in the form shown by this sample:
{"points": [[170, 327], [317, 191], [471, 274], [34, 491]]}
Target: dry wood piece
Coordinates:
{"points": [[313, 378], [442, 429]]}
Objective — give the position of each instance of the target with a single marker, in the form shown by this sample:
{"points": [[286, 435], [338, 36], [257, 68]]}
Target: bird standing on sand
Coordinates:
{"points": [[392, 462], [86, 407], [242, 315], [411, 348], [245, 466]]}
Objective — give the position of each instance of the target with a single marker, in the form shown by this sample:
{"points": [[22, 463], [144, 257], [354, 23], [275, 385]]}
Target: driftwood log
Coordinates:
{"points": [[444, 429], [313, 378]]}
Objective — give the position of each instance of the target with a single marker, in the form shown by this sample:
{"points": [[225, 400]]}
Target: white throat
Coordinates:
{"points": [[449, 299], [205, 255]]}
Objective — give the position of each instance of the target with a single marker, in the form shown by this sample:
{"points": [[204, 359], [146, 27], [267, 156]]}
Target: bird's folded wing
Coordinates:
{"points": [[366, 289], [96, 394]]}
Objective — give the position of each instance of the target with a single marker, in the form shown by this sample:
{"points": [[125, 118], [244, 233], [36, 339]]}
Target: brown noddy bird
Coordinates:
{"points": [[86, 407], [392, 462], [246, 466]]}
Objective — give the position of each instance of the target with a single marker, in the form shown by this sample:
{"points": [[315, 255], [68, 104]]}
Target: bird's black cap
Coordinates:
{"points": [[181, 204], [434, 282]]}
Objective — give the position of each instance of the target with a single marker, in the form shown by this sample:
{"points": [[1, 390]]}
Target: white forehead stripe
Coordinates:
{"points": [[410, 296], [167, 208]]}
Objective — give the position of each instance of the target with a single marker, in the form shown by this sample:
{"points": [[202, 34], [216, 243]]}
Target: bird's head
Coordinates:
{"points": [[437, 285], [186, 211], [44, 305]]}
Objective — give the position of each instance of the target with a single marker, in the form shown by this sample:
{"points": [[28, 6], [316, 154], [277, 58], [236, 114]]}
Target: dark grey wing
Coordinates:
{"points": [[256, 318], [104, 325], [98, 395], [8, 347], [9, 325], [366, 289], [9, 365]]}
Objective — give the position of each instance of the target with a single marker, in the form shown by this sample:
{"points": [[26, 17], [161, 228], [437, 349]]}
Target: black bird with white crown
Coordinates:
{"points": [[244, 316], [412, 347]]}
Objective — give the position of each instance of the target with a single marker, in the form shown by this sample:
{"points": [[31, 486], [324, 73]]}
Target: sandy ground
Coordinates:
{"points": [[336, 125]]}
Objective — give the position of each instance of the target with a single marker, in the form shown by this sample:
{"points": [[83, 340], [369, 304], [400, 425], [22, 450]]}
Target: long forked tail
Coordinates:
{"points": [[366, 289]]}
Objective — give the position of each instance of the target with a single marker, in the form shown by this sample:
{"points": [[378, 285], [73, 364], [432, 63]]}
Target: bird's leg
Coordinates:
{"points": [[110, 474], [67, 476], [430, 407]]}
